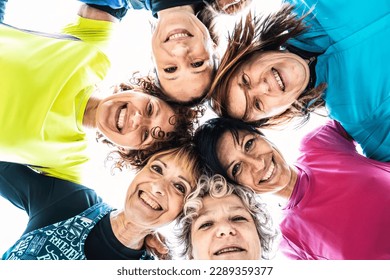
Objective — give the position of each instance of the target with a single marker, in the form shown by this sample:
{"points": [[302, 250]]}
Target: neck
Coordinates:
{"points": [[89, 119], [185, 8], [129, 234], [287, 191]]}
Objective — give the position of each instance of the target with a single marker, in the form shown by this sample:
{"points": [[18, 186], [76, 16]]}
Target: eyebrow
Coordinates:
{"points": [[194, 72], [231, 208], [180, 176], [236, 142]]}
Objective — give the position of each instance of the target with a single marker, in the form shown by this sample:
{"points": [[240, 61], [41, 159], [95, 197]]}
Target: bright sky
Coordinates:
{"points": [[133, 53]]}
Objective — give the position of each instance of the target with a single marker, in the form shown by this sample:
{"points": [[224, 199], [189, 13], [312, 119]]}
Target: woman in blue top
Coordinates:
{"points": [[283, 63]]}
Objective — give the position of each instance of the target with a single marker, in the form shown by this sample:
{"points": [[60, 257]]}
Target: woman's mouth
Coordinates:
{"points": [[278, 79], [121, 116], [148, 200], [178, 35], [229, 250], [269, 173]]}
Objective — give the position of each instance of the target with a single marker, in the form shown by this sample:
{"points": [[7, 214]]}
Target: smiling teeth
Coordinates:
{"points": [[228, 250], [150, 201], [121, 118], [278, 79], [269, 172], [178, 35]]}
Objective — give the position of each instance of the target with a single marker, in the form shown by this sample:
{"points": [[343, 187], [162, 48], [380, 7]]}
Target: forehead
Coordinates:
{"points": [[178, 163], [226, 204]]}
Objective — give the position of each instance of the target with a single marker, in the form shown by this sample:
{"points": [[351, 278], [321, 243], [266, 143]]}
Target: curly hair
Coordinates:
{"points": [[216, 186], [256, 35], [184, 120]]}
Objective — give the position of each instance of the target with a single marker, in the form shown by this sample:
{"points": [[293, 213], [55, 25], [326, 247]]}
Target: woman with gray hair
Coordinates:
{"points": [[224, 221]]}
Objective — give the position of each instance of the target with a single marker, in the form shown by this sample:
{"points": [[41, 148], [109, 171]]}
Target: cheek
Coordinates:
{"points": [[175, 205], [200, 246]]}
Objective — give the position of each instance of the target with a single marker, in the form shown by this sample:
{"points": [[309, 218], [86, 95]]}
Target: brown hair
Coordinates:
{"points": [[258, 35], [184, 120]]}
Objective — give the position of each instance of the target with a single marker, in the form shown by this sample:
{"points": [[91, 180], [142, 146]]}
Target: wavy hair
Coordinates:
{"points": [[255, 35], [216, 186], [184, 120]]}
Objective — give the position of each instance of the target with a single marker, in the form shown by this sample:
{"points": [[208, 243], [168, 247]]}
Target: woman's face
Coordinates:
{"points": [[266, 85], [252, 161], [129, 118], [156, 195], [224, 230], [182, 53]]}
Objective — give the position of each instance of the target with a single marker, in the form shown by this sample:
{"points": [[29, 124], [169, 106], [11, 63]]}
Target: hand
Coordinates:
{"points": [[157, 245]]}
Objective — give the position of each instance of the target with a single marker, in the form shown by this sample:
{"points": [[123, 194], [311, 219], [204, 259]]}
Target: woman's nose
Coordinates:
{"points": [[158, 188], [180, 51], [136, 120], [225, 229]]}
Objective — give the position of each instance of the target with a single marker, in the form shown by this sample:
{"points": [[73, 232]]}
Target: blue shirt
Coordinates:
{"points": [[353, 37]]}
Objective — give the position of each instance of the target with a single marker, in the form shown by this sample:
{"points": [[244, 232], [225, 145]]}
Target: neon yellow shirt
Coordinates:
{"points": [[45, 84]]}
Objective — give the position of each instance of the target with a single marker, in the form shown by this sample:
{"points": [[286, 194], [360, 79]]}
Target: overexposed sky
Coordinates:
{"points": [[132, 48]]}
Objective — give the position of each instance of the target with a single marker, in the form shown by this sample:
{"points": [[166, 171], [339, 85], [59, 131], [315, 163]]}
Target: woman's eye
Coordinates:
{"points": [[149, 109], [245, 80], [205, 225], [258, 105], [248, 144], [170, 69], [235, 169], [157, 168], [145, 136], [239, 218], [197, 64], [180, 187]]}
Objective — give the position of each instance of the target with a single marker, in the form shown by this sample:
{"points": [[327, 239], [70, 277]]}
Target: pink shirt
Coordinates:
{"points": [[340, 207]]}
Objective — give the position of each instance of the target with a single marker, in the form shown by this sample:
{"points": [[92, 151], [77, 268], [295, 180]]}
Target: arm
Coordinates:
{"points": [[2, 9], [117, 9], [87, 11], [12, 186]]}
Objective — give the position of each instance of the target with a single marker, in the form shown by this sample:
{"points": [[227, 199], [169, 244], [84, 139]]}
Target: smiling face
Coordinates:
{"points": [[224, 230], [128, 119], [266, 85], [156, 195], [182, 53], [252, 161]]}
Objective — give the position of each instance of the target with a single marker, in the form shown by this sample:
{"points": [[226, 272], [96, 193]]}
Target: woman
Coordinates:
{"points": [[283, 64], [183, 50], [44, 118], [70, 221], [221, 221], [336, 199]]}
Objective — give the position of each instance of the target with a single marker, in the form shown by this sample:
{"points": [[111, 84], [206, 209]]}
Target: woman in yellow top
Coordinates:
{"points": [[46, 99]]}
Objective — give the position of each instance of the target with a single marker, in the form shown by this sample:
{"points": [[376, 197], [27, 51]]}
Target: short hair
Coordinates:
{"points": [[216, 186], [187, 157], [184, 120], [207, 135], [256, 35]]}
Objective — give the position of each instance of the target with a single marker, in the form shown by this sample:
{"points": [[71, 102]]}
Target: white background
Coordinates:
{"points": [[132, 46]]}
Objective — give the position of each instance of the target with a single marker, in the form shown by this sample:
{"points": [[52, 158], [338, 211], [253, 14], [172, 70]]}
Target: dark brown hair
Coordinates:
{"points": [[256, 35]]}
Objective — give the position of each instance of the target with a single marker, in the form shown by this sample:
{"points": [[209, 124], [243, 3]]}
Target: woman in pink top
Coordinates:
{"points": [[337, 201]]}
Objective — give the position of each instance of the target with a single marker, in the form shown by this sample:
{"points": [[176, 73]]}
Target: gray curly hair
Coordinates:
{"points": [[216, 186]]}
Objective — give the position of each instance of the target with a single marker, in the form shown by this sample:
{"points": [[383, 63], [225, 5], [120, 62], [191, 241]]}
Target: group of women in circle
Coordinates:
{"points": [[276, 68]]}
